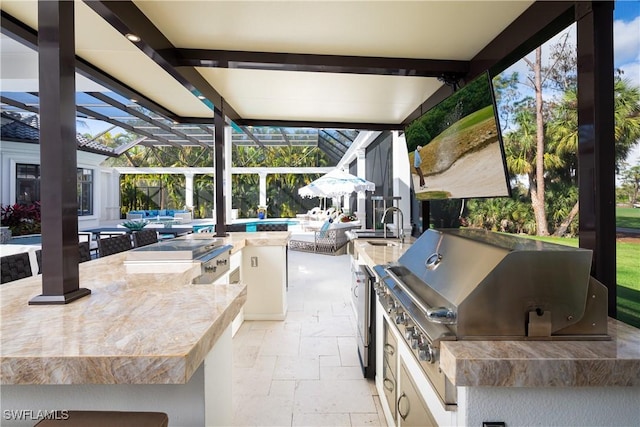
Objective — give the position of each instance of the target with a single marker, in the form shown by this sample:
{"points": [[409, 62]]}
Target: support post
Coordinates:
{"points": [[228, 182], [188, 190], [56, 57], [218, 121], [596, 142], [361, 168], [262, 200]]}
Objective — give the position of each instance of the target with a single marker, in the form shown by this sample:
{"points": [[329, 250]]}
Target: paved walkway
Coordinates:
{"points": [[305, 371]]}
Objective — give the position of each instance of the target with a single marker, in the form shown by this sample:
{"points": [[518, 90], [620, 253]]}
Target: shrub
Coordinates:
{"points": [[21, 219]]}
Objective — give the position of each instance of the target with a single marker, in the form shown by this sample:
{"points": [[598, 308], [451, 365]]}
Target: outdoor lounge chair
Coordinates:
{"points": [[329, 240]]}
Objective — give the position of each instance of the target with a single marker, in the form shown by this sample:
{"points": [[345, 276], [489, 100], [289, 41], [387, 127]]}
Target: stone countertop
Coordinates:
{"points": [[532, 363], [134, 328], [375, 255], [546, 363], [241, 239]]}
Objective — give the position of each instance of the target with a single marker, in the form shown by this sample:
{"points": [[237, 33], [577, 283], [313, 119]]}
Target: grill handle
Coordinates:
{"points": [[441, 315], [211, 255]]}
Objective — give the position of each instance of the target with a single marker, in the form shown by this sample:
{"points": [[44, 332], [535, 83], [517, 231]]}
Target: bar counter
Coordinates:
{"points": [[142, 328], [132, 329]]}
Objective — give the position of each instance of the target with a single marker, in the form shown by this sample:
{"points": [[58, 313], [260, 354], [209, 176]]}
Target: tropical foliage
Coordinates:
{"points": [[540, 134], [21, 219], [163, 191], [166, 191], [283, 200], [629, 190]]}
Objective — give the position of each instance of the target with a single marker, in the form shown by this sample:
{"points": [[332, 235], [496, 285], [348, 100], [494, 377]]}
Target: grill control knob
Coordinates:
{"points": [[416, 340], [391, 305], [409, 332], [426, 353]]}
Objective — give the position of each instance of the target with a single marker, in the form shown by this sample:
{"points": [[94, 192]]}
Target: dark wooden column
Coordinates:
{"points": [[596, 143], [58, 166], [218, 124], [425, 206]]}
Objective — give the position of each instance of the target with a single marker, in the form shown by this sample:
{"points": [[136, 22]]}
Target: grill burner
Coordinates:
{"points": [[465, 284]]}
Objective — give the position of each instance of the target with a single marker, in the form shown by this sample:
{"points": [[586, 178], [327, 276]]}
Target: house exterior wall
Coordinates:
{"points": [[12, 153]]}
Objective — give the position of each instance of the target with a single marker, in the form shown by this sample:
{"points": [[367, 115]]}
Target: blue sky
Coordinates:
{"points": [[627, 49], [626, 46], [627, 38]]}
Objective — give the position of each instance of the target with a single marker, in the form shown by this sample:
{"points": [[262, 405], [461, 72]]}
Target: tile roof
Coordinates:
{"points": [[28, 130]]}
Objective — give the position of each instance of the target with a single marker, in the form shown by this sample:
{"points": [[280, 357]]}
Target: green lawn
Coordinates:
{"points": [[627, 254], [628, 217], [628, 276]]}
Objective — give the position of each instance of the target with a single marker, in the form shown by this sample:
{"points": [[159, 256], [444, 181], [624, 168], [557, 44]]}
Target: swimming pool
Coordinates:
{"points": [[252, 225]]}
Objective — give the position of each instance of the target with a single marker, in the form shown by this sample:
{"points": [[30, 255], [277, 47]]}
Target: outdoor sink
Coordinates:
{"points": [[382, 243], [372, 234]]}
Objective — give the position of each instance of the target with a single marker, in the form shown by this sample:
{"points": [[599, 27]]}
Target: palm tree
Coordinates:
{"points": [[563, 129]]}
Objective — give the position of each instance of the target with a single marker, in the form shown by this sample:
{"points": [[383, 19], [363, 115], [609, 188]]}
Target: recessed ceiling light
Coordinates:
{"points": [[201, 97], [133, 100], [132, 37]]}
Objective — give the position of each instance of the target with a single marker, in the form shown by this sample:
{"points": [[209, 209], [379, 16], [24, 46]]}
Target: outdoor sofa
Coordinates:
{"points": [[330, 239]]}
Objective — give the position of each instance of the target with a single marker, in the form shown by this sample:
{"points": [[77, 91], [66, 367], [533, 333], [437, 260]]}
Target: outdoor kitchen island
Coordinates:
{"points": [[516, 382], [143, 341]]}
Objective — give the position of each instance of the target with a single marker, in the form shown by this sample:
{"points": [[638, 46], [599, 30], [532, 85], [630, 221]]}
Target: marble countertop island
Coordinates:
{"points": [[134, 328], [532, 363]]}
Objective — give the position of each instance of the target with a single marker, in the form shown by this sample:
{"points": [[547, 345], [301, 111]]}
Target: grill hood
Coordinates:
{"points": [[485, 285]]}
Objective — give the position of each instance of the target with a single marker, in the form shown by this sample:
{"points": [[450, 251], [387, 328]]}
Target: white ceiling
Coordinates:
{"points": [[448, 30]]}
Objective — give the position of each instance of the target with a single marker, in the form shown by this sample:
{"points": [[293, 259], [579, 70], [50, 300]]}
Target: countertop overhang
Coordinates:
{"points": [[150, 327]]}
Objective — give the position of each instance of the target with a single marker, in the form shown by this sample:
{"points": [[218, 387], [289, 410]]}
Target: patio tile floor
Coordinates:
{"points": [[305, 369]]}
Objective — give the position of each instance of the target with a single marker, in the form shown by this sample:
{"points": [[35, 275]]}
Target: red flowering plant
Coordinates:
{"points": [[21, 219]]}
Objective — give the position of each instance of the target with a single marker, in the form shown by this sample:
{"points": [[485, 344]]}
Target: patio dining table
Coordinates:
{"points": [[164, 229]]}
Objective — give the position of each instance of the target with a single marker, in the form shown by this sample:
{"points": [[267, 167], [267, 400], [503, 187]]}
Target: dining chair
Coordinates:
{"points": [[14, 267], [86, 236], [144, 238], [272, 227], [84, 254], [231, 228], [113, 245]]}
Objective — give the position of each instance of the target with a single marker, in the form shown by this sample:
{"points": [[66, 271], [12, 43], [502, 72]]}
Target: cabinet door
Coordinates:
{"points": [[390, 386], [263, 270], [412, 409], [389, 363]]}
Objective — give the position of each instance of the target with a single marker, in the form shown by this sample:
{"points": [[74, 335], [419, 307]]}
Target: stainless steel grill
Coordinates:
{"points": [[465, 284], [212, 255]]}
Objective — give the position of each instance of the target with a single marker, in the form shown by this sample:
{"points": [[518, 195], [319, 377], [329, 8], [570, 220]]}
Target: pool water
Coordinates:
{"points": [[251, 225]]}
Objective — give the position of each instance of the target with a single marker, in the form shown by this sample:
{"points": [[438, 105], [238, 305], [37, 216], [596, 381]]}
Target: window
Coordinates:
{"points": [[28, 187], [85, 192], [27, 184]]}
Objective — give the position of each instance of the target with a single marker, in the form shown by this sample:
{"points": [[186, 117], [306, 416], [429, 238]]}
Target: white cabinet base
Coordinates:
{"points": [[204, 401], [264, 271]]}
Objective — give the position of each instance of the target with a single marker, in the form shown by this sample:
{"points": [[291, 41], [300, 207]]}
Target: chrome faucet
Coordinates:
{"points": [[399, 224]]}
